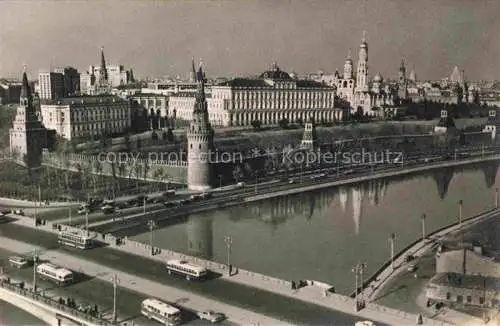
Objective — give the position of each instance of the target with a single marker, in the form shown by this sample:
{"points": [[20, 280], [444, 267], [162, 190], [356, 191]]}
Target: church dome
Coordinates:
{"points": [[275, 73], [377, 78]]}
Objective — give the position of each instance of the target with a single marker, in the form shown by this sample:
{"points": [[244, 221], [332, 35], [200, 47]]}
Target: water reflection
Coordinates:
{"points": [[200, 236], [320, 235]]}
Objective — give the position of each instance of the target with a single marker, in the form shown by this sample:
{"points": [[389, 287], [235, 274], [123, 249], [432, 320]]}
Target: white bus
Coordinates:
{"points": [[182, 267], [59, 275], [19, 262], [161, 312], [74, 239]]}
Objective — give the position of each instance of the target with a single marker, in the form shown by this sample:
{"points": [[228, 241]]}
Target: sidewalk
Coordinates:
{"points": [[21, 203], [148, 288], [372, 289]]}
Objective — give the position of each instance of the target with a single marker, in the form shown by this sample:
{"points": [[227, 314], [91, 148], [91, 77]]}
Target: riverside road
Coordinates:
{"points": [[251, 192], [260, 301]]}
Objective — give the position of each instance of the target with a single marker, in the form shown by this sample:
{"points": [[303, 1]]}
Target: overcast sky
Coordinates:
{"points": [[244, 37]]}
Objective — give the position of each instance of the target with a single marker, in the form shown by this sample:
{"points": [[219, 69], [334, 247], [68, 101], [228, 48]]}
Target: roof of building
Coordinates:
{"points": [[85, 100], [447, 122], [467, 281], [261, 83]]}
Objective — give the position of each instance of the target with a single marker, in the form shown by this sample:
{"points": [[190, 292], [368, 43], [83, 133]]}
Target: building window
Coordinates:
{"points": [[448, 295], [469, 299], [481, 300], [460, 299]]}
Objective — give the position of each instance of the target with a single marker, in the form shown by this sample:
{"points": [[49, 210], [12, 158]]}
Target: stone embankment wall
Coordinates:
{"points": [[126, 167]]}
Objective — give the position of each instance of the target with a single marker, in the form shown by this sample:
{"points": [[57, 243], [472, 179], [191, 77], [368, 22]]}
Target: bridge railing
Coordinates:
{"points": [[54, 304]]}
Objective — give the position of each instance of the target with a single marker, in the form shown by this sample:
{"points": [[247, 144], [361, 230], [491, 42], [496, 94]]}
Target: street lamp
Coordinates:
{"points": [[152, 225], [423, 226], [359, 269], [460, 203], [228, 240], [496, 198], [392, 238], [220, 181], [35, 258], [115, 281]]}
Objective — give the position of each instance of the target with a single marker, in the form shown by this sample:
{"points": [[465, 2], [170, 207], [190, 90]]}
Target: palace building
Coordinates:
{"points": [[87, 116]]}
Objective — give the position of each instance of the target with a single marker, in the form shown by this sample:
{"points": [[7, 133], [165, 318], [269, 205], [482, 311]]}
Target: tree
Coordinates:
{"points": [[237, 173], [256, 124], [283, 123], [170, 135]]}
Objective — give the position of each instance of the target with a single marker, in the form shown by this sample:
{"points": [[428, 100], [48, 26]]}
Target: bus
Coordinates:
{"points": [[189, 271], [161, 312], [19, 262], [74, 239], [54, 273]]}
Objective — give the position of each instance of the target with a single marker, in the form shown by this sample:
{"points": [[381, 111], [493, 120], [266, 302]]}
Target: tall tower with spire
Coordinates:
{"points": [[27, 133], [345, 85], [102, 85], [192, 73], [362, 73], [200, 141], [402, 82]]}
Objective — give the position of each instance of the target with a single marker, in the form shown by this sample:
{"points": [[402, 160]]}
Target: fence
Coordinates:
{"points": [[53, 304]]}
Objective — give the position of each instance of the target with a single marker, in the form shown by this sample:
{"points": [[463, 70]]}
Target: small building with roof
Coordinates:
{"points": [[310, 138], [492, 124], [445, 125]]}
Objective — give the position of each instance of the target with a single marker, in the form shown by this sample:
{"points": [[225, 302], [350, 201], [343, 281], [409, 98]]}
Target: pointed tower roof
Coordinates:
{"points": [[193, 68], [25, 88], [402, 67], [103, 64], [363, 40], [200, 104], [348, 59]]}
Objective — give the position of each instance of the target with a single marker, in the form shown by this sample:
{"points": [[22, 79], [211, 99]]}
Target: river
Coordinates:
{"points": [[322, 235]]}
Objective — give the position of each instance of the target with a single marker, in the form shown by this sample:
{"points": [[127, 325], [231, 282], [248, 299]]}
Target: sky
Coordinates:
{"points": [[243, 37]]}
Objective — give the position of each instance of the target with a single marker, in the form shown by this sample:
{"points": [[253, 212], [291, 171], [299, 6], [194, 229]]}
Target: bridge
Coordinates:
{"points": [[46, 309]]}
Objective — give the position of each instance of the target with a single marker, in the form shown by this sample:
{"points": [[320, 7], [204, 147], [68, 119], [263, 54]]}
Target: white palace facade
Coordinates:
{"points": [[271, 97]]}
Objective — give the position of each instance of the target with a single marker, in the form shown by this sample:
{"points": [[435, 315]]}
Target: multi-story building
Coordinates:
{"points": [[87, 116], [99, 79], [10, 90], [154, 109], [272, 97], [27, 135], [71, 78], [51, 85]]}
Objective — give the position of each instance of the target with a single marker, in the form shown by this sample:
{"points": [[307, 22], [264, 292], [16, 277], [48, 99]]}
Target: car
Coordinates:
{"points": [[211, 316], [83, 210], [290, 181], [170, 204], [18, 211], [411, 268], [206, 195], [364, 323]]}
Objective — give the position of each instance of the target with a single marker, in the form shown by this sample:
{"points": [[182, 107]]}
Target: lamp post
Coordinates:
{"points": [[228, 240], [356, 272], [144, 206], [460, 203], [220, 181], [87, 221], [423, 226], [69, 216], [256, 182], [392, 238], [35, 258], [115, 282], [496, 198], [152, 225]]}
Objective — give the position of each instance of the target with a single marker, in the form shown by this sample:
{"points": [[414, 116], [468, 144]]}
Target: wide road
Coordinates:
{"points": [[88, 291], [131, 218], [263, 302]]}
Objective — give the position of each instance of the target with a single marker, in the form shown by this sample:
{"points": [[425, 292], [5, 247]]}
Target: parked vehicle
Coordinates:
{"points": [[19, 262], [54, 273], [74, 239], [206, 195], [186, 269], [161, 312], [211, 316]]}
